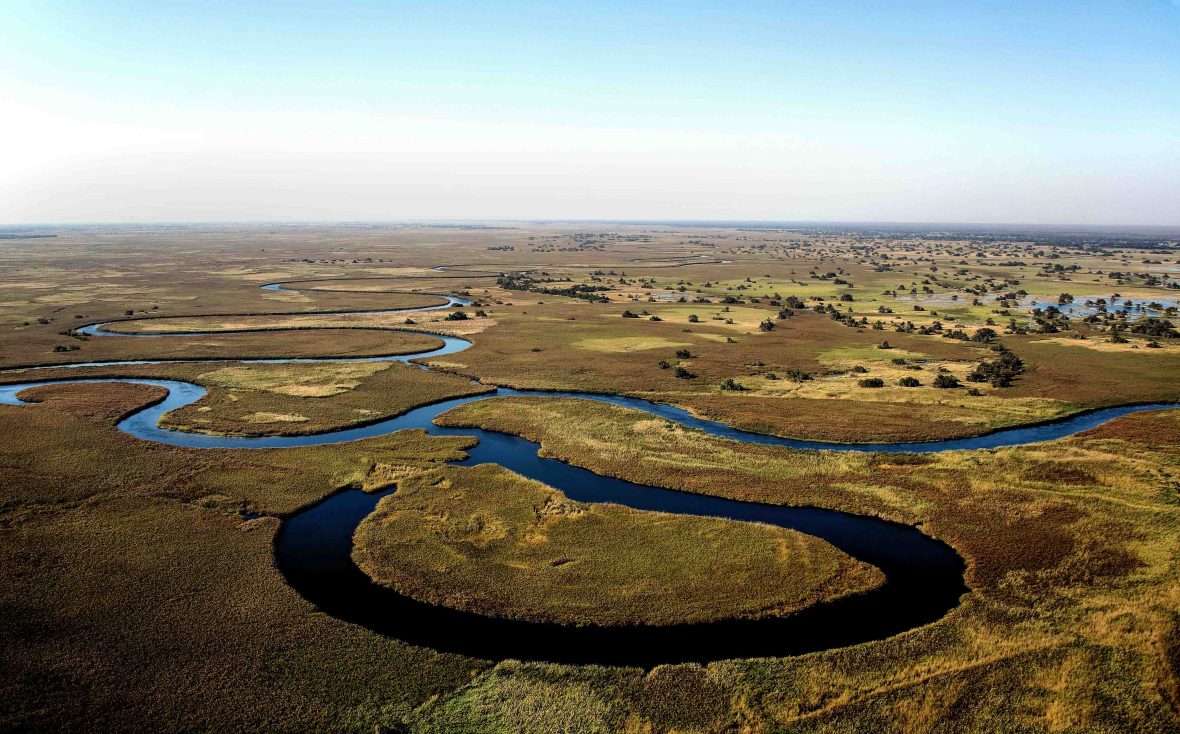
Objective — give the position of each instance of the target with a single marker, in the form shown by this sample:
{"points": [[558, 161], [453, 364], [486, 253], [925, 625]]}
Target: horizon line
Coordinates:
{"points": [[726, 223]]}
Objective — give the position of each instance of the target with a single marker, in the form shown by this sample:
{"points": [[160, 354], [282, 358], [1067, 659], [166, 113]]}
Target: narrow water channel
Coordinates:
{"points": [[313, 548]]}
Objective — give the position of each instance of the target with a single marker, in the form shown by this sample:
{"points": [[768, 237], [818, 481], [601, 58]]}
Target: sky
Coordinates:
{"points": [[910, 111]]}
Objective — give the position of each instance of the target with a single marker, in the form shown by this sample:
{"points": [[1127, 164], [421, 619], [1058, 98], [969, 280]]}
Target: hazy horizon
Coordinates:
{"points": [[1058, 114]]}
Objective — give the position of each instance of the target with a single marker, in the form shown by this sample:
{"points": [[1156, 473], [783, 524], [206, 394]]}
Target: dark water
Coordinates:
{"points": [[313, 548]]}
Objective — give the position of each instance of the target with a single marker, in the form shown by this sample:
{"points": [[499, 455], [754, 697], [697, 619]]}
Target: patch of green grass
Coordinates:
{"points": [[489, 541]]}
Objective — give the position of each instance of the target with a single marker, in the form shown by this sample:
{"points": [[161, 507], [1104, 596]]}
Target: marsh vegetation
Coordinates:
{"points": [[127, 563]]}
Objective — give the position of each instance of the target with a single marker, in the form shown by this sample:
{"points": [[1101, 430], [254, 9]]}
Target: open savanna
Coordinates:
{"points": [[592, 347], [486, 540]]}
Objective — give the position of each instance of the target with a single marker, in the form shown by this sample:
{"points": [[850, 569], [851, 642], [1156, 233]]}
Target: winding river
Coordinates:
{"points": [[313, 547]]}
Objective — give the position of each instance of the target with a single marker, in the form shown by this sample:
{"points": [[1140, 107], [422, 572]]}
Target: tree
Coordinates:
{"points": [[683, 354], [945, 381], [1000, 372], [766, 325], [730, 384], [694, 319], [456, 316], [984, 335], [683, 374], [629, 315], [1157, 327], [909, 382], [885, 345], [872, 382]]}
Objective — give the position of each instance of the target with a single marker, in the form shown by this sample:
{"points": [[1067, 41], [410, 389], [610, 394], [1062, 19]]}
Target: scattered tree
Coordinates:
{"points": [[945, 380]]}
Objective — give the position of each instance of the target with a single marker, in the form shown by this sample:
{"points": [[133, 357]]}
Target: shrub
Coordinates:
{"points": [[630, 315], [683, 374], [797, 375], [456, 316], [860, 370], [766, 325], [944, 381], [909, 382], [730, 384], [872, 382], [885, 345], [683, 354]]}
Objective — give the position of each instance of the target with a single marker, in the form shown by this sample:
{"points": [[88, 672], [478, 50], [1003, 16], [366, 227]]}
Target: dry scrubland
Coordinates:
{"points": [[137, 595]]}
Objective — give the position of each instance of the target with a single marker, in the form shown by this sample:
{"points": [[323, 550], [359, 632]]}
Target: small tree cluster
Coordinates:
{"points": [[945, 380], [1000, 372]]}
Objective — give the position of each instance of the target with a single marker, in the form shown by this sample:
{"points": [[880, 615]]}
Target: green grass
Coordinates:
{"points": [[489, 541]]}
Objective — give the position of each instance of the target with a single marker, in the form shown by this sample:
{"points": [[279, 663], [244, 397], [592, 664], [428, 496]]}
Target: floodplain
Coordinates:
{"points": [[127, 562]]}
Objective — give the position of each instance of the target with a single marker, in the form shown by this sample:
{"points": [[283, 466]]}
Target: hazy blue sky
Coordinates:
{"points": [[1057, 112]]}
